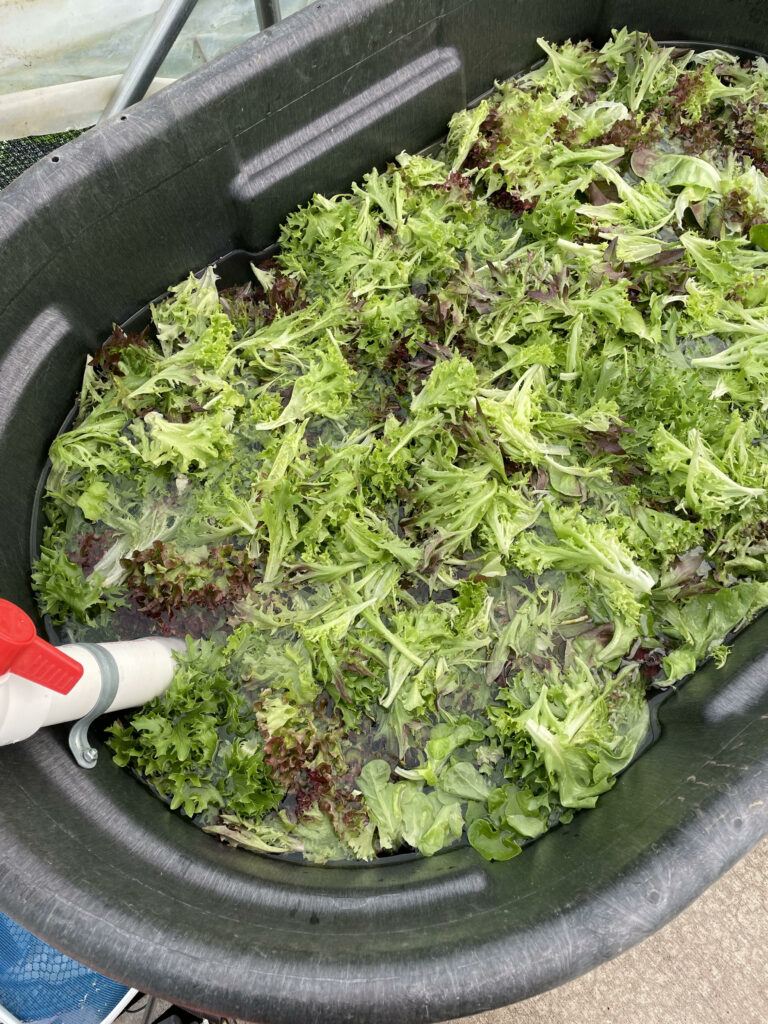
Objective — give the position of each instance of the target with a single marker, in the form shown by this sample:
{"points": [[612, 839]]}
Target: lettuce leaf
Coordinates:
{"points": [[472, 461]]}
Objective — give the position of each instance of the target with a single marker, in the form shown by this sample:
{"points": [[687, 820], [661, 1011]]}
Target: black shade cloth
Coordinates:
{"points": [[17, 155]]}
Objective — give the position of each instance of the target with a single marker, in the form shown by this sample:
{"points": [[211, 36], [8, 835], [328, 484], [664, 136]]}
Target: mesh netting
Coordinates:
{"points": [[39, 985], [19, 154]]}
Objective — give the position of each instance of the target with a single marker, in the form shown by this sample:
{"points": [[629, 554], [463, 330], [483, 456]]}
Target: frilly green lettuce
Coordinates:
{"points": [[478, 456]]}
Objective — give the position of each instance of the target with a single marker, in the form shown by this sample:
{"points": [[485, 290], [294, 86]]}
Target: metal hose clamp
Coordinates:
{"points": [[85, 754]]}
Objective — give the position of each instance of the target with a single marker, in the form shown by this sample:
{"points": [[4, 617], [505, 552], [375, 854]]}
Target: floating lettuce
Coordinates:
{"points": [[475, 460]]}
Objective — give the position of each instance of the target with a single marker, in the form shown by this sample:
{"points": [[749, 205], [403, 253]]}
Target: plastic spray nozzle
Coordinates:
{"points": [[27, 655]]}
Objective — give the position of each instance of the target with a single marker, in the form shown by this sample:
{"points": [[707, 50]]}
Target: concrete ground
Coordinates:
{"points": [[708, 966]]}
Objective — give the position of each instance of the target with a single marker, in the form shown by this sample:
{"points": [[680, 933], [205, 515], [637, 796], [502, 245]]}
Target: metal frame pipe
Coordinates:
{"points": [[268, 12], [140, 73]]}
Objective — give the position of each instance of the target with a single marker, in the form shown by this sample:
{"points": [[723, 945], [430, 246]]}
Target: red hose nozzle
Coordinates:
{"points": [[26, 654]]}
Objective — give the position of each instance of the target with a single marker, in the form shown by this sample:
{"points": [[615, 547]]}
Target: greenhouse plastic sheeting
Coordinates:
{"points": [[39, 985], [61, 60], [49, 42]]}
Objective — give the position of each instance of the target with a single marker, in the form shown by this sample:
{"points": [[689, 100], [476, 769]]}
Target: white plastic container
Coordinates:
{"points": [[145, 671], [45, 685]]}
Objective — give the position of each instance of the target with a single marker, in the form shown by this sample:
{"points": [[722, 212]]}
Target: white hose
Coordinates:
{"points": [[145, 668]]}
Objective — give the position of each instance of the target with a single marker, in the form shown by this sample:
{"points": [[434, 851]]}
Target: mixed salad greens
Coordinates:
{"points": [[473, 461]]}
